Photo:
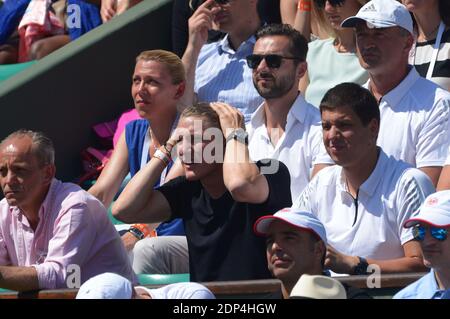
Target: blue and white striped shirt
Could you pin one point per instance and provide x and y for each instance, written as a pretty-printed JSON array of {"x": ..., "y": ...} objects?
[{"x": 222, "y": 75}]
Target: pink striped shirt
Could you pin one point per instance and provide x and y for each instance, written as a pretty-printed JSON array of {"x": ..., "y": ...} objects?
[{"x": 73, "y": 229}]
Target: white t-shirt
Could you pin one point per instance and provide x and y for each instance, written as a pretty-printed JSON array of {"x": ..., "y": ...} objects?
[
  {"x": 372, "y": 225},
  {"x": 415, "y": 124},
  {"x": 299, "y": 148}
]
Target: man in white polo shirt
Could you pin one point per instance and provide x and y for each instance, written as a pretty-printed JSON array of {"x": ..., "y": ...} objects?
[
  {"x": 284, "y": 127},
  {"x": 364, "y": 200},
  {"x": 414, "y": 111}
]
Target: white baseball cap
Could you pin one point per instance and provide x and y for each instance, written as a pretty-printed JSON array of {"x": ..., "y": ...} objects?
[
  {"x": 297, "y": 218},
  {"x": 435, "y": 211},
  {"x": 318, "y": 287},
  {"x": 106, "y": 286},
  {"x": 382, "y": 14}
]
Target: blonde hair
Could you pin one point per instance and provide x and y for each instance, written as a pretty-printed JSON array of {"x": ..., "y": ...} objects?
[{"x": 167, "y": 58}]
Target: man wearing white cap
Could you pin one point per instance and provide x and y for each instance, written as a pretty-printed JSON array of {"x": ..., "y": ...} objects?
[
  {"x": 431, "y": 226},
  {"x": 295, "y": 246},
  {"x": 414, "y": 111}
]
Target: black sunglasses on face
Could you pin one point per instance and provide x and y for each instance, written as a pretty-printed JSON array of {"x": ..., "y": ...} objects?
[
  {"x": 272, "y": 60},
  {"x": 222, "y": 1},
  {"x": 321, "y": 3}
]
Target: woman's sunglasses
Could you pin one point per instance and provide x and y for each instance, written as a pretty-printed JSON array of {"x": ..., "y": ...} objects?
[
  {"x": 218, "y": 1},
  {"x": 436, "y": 232},
  {"x": 272, "y": 60},
  {"x": 321, "y": 3}
]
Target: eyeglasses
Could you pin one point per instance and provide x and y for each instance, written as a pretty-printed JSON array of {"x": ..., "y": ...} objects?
[
  {"x": 335, "y": 3},
  {"x": 437, "y": 233},
  {"x": 272, "y": 60}
]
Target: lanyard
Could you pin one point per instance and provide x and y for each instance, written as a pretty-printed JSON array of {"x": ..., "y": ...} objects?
[{"x": 437, "y": 44}]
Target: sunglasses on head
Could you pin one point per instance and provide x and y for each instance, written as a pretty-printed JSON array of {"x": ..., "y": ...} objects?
[
  {"x": 436, "y": 232},
  {"x": 272, "y": 60},
  {"x": 335, "y": 3}
]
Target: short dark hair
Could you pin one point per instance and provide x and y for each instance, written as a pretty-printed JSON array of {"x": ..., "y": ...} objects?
[
  {"x": 352, "y": 95},
  {"x": 299, "y": 45}
]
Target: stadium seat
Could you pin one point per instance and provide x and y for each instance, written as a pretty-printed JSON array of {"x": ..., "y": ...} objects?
[{"x": 156, "y": 279}]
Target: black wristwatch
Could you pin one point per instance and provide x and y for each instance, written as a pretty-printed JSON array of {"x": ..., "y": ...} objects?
[
  {"x": 361, "y": 267},
  {"x": 239, "y": 135},
  {"x": 136, "y": 232}
]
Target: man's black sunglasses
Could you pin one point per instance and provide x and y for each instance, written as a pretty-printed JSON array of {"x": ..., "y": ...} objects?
[
  {"x": 272, "y": 60},
  {"x": 321, "y": 3}
]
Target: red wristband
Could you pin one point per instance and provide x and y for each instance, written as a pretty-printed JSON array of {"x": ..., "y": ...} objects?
[{"x": 304, "y": 5}]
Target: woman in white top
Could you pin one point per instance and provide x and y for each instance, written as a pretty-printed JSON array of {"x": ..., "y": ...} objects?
[
  {"x": 333, "y": 60},
  {"x": 431, "y": 54}
]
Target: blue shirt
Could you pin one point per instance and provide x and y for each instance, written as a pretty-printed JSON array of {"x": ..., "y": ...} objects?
[
  {"x": 424, "y": 288},
  {"x": 222, "y": 75},
  {"x": 135, "y": 135}
]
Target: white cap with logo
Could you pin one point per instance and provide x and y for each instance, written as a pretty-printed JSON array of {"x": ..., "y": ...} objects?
[
  {"x": 435, "y": 211},
  {"x": 382, "y": 14},
  {"x": 297, "y": 218}
]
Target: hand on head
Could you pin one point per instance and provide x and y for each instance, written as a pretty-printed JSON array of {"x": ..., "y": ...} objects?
[{"x": 230, "y": 117}]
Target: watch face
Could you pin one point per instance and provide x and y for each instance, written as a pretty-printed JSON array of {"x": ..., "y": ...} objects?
[{"x": 239, "y": 135}]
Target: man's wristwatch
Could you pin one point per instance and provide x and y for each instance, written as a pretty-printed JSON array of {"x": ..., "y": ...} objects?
[
  {"x": 136, "y": 232},
  {"x": 361, "y": 267},
  {"x": 239, "y": 135}
]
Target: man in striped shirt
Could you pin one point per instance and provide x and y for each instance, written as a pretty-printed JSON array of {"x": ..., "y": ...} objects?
[{"x": 218, "y": 71}]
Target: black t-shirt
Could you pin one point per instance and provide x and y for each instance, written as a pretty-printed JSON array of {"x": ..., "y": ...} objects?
[{"x": 221, "y": 242}]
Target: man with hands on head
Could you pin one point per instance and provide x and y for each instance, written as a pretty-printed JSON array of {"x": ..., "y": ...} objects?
[{"x": 219, "y": 200}]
